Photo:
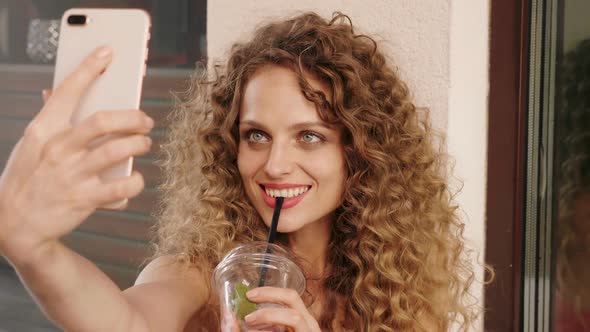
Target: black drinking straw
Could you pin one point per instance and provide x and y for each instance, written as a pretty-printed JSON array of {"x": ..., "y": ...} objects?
[{"x": 272, "y": 233}]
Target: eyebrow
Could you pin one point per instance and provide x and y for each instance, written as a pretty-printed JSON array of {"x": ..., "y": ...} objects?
[{"x": 296, "y": 126}]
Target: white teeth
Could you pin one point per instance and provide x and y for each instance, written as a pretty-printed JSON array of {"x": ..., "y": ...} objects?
[{"x": 287, "y": 193}]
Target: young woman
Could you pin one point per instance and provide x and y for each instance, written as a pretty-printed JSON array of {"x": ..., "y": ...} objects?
[{"x": 308, "y": 110}]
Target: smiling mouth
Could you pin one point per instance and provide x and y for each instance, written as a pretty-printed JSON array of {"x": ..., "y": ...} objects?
[{"x": 286, "y": 193}]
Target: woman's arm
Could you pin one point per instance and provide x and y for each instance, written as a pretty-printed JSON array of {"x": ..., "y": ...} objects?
[
  {"x": 51, "y": 184},
  {"x": 168, "y": 295},
  {"x": 77, "y": 296}
]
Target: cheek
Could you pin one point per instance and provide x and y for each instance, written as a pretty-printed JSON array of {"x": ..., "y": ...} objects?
[
  {"x": 248, "y": 162},
  {"x": 243, "y": 165},
  {"x": 329, "y": 168}
]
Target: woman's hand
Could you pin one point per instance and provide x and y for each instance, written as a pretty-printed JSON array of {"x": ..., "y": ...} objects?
[
  {"x": 294, "y": 315},
  {"x": 51, "y": 181}
]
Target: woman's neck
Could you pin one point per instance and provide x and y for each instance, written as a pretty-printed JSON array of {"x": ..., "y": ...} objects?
[{"x": 310, "y": 243}]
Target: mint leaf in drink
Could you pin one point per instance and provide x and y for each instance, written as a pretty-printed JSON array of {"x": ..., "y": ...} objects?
[{"x": 242, "y": 306}]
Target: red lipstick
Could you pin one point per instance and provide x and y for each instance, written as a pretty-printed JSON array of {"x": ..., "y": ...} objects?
[{"x": 288, "y": 202}]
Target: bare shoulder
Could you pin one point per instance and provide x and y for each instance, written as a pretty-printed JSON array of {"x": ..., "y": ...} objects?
[{"x": 168, "y": 294}]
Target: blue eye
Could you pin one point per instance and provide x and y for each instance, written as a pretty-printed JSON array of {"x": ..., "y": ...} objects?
[
  {"x": 311, "y": 138},
  {"x": 255, "y": 136}
]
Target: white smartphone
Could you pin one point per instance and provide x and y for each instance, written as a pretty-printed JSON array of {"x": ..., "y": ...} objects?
[{"x": 126, "y": 31}]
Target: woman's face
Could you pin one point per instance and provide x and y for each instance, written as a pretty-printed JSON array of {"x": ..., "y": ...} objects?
[{"x": 286, "y": 150}]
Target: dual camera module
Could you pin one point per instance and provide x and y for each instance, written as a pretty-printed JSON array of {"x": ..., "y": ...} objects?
[{"x": 77, "y": 19}]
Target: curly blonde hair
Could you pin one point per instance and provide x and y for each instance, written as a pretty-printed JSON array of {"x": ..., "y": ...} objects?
[{"x": 396, "y": 253}]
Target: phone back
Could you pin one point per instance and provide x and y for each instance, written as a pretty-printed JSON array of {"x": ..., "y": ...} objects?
[{"x": 126, "y": 31}]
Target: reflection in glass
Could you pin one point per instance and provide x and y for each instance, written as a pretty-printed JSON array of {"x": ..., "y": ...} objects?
[
  {"x": 572, "y": 241},
  {"x": 178, "y": 29}
]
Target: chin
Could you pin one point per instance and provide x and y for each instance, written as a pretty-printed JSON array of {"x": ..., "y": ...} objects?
[{"x": 287, "y": 226}]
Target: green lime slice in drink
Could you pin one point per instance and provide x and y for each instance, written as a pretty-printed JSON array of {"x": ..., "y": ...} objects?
[{"x": 242, "y": 306}]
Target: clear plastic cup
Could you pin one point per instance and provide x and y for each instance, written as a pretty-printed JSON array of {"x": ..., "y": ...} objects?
[{"x": 241, "y": 270}]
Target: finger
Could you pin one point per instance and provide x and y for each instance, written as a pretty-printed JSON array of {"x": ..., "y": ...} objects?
[
  {"x": 113, "y": 151},
  {"x": 46, "y": 95},
  {"x": 109, "y": 122},
  {"x": 29, "y": 151},
  {"x": 279, "y": 316},
  {"x": 285, "y": 296},
  {"x": 75, "y": 85},
  {"x": 56, "y": 114},
  {"x": 117, "y": 190}
]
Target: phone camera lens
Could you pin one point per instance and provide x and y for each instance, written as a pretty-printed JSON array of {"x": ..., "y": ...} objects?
[{"x": 77, "y": 19}]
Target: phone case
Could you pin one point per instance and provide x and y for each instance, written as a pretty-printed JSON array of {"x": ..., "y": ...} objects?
[{"x": 119, "y": 87}]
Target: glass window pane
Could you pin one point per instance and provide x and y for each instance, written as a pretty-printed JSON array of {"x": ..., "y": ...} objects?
[
  {"x": 178, "y": 28},
  {"x": 571, "y": 296}
]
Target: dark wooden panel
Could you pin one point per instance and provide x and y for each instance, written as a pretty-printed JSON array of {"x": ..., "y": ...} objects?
[
  {"x": 122, "y": 261},
  {"x": 122, "y": 258},
  {"x": 26, "y": 79},
  {"x": 5, "y": 150},
  {"x": 152, "y": 174},
  {"x": 20, "y": 106},
  {"x": 122, "y": 225},
  {"x": 161, "y": 87},
  {"x": 158, "y": 112},
  {"x": 26, "y": 106},
  {"x": 145, "y": 202},
  {"x": 158, "y": 84},
  {"x": 18, "y": 311},
  {"x": 506, "y": 127},
  {"x": 11, "y": 130},
  {"x": 103, "y": 249},
  {"x": 123, "y": 277}
]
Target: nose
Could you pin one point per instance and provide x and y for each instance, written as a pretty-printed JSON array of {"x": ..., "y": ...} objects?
[{"x": 279, "y": 162}]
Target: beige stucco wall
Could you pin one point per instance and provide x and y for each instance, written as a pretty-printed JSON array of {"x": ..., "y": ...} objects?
[
  {"x": 467, "y": 127},
  {"x": 440, "y": 48}
]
